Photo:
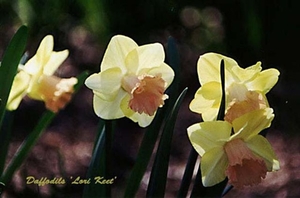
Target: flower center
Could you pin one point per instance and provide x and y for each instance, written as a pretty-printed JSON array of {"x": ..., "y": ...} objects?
[
  {"x": 55, "y": 92},
  {"x": 252, "y": 101},
  {"x": 245, "y": 168},
  {"x": 146, "y": 91}
]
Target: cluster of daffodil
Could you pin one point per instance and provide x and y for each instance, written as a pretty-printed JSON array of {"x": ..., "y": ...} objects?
[
  {"x": 132, "y": 83},
  {"x": 232, "y": 147},
  {"x": 36, "y": 80}
]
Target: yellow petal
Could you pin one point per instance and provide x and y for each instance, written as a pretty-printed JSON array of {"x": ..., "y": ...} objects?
[
  {"x": 18, "y": 90},
  {"x": 45, "y": 61},
  {"x": 116, "y": 52},
  {"x": 132, "y": 61},
  {"x": 213, "y": 166},
  {"x": 261, "y": 147},
  {"x": 150, "y": 55},
  {"x": 109, "y": 109},
  {"x": 207, "y": 135},
  {"x": 106, "y": 84},
  {"x": 125, "y": 106},
  {"x": 145, "y": 57},
  {"x": 208, "y": 67},
  {"x": 211, "y": 91},
  {"x": 264, "y": 81},
  {"x": 33, "y": 67},
  {"x": 204, "y": 107},
  {"x": 56, "y": 59},
  {"x": 45, "y": 49},
  {"x": 143, "y": 119},
  {"x": 207, "y": 101},
  {"x": 248, "y": 73},
  {"x": 250, "y": 124}
]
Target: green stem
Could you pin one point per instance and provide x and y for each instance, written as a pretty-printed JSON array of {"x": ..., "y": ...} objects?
[
  {"x": 108, "y": 147},
  {"x": 198, "y": 190},
  {"x": 26, "y": 146},
  {"x": 9, "y": 65},
  {"x": 6, "y": 135},
  {"x": 188, "y": 174}
]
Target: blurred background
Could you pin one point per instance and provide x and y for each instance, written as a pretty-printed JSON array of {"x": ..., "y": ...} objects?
[{"x": 248, "y": 31}]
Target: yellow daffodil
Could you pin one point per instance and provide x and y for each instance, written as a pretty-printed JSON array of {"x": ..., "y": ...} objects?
[
  {"x": 36, "y": 79},
  {"x": 244, "y": 157},
  {"x": 131, "y": 82},
  {"x": 245, "y": 88}
]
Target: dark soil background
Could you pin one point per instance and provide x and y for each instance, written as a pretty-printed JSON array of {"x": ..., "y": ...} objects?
[{"x": 248, "y": 31}]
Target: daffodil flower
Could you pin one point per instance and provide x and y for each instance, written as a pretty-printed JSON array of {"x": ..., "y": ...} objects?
[
  {"x": 131, "y": 82},
  {"x": 245, "y": 88},
  {"x": 244, "y": 157},
  {"x": 36, "y": 79}
]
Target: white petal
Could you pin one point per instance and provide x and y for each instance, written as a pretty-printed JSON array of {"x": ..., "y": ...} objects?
[
  {"x": 207, "y": 135},
  {"x": 208, "y": 67},
  {"x": 116, "y": 52},
  {"x": 105, "y": 84},
  {"x": 213, "y": 166},
  {"x": 45, "y": 49},
  {"x": 18, "y": 90},
  {"x": 109, "y": 109},
  {"x": 56, "y": 59},
  {"x": 151, "y": 55},
  {"x": 251, "y": 124}
]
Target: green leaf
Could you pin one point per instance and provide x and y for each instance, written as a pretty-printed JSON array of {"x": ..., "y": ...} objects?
[
  {"x": 174, "y": 62},
  {"x": 222, "y": 105},
  {"x": 9, "y": 66},
  {"x": 100, "y": 165},
  {"x": 144, "y": 154},
  {"x": 5, "y": 137},
  {"x": 198, "y": 189},
  {"x": 97, "y": 165},
  {"x": 227, "y": 189},
  {"x": 26, "y": 147},
  {"x": 8, "y": 69},
  {"x": 81, "y": 78},
  {"x": 159, "y": 172}
]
